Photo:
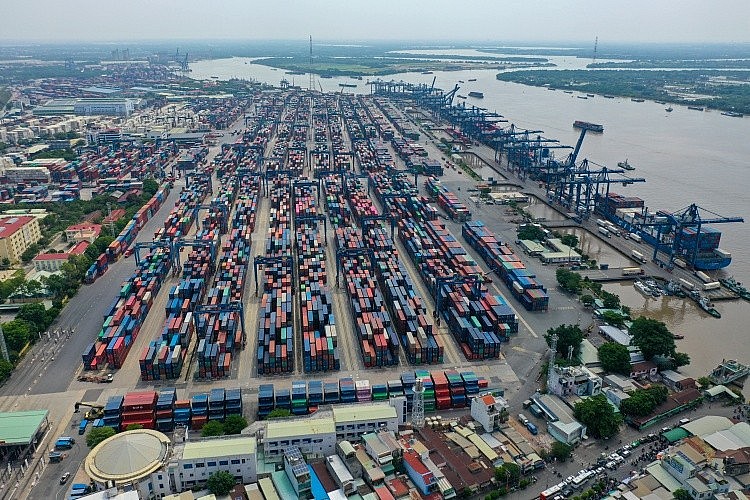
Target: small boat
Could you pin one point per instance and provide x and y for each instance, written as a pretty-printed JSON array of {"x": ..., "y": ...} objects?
[
  {"x": 568, "y": 91},
  {"x": 550, "y": 88},
  {"x": 733, "y": 114},
  {"x": 669, "y": 109},
  {"x": 643, "y": 288},
  {"x": 625, "y": 165},
  {"x": 426, "y": 72},
  {"x": 736, "y": 287},
  {"x": 589, "y": 95},
  {"x": 460, "y": 81},
  {"x": 607, "y": 96},
  {"x": 477, "y": 95},
  {"x": 348, "y": 85},
  {"x": 696, "y": 108},
  {"x": 215, "y": 77},
  {"x": 637, "y": 100},
  {"x": 472, "y": 79},
  {"x": 677, "y": 336},
  {"x": 660, "y": 102},
  {"x": 706, "y": 305},
  {"x": 582, "y": 97},
  {"x": 461, "y": 96}
]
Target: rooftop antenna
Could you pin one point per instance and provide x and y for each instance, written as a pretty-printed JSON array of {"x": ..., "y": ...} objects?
[{"x": 417, "y": 411}]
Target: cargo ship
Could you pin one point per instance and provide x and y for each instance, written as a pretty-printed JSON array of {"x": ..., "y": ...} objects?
[
  {"x": 591, "y": 127},
  {"x": 478, "y": 95},
  {"x": 698, "y": 248}
]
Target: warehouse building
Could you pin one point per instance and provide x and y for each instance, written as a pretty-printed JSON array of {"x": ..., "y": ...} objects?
[
  {"x": 560, "y": 422},
  {"x": 16, "y": 235}
]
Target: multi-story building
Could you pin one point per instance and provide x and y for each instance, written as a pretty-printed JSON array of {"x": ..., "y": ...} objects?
[
  {"x": 574, "y": 380},
  {"x": 83, "y": 232},
  {"x": 315, "y": 437},
  {"x": 489, "y": 410},
  {"x": 16, "y": 235},
  {"x": 354, "y": 420}
]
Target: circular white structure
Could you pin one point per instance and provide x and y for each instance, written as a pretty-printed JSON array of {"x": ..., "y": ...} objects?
[{"x": 128, "y": 457}]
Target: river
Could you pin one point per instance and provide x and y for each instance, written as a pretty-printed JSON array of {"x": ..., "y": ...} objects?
[{"x": 686, "y": 157}]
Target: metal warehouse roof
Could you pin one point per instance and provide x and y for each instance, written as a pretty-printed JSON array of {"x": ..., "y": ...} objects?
[
  {"x": 19, "y": 427},
  {"x": 299, "y": 427},
  {"x": 221, "y": 447},
  {"x": 359, "y": 412}
]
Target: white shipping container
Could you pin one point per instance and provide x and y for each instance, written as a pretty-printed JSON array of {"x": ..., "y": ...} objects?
[
  {"x": 635, "y": 237},
  {"x": 714, "y": 285},
  {"x": 705, "y": 278},
  {"x": 680, "y": 263},
  {"x": 687, "y": 284},
  {"x": 604, "y": 232}
]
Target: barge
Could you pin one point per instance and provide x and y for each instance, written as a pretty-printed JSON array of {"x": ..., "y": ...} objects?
[{"x": 591, "y": 127}]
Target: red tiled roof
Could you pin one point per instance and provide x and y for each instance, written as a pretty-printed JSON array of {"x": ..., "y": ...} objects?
[
  {"x": 85, "y": 227},
  {"x": 398, "y": 488},
  {"x": 10, "y": 225},
  {"x": 79, "y": 248}
]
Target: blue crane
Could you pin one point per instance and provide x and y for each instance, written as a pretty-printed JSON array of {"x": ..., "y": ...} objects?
[
  {"x": 448, "y": 281},
  {"x": 314, "y": 219},
  {"x": 370, "y": 220},
  {"x": 353, "y": 253},
  {"x": 151, "y": 245},
  {"x": 181, "y": 243}
]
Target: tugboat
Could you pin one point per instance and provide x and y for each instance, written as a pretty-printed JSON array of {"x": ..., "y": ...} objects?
[
  {"x": 625, "y": 165},
  {"x": 706, "y": 305},
  {"x": 677, "y": 336},
  {"x": 669, "y": 109},
  {"x": 736, "y": 287}
]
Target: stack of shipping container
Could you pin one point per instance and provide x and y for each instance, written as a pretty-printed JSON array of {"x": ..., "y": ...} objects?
[{"x": 506, "y": 264}]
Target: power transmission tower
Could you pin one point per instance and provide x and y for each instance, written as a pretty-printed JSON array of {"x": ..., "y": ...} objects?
[
  {"x": 417, "y": 410},
  {"x": 312, "y": 78}
]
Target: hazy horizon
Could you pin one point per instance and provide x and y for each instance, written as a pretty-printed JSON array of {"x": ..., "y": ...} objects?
[{"x": 540, "y": 21}]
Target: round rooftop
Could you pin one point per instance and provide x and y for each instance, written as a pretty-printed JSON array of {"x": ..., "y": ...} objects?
[{"x": 127, "y": 457}]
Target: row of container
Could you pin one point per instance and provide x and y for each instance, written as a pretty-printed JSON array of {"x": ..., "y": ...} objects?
[
  {"x": 442, "y": 390},
  {"x": 447, "y": 200},
  {"x": 506, "y": 264},
  {"x": 163, "y": 357},
  {"x": 405, "y": 306},
  {"x": 317, "y": 321},
  {"x": 163, "y": 411}
]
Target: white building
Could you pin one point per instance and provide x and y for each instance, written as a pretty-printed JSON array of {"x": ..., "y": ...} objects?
[
  {"x": 560, "y": 422},
  {"x": 354, "y": 420},
  {"x": 574, "y": 380},
  {"x": 315, "y": 437},
  {"x": 489, "y": 410}
]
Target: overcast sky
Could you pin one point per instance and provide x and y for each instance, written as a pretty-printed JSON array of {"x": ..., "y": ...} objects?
[{"x": 497, "y": 20}]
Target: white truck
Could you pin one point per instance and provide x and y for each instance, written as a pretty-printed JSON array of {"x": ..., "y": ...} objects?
[{"x": 638, "y": 256}]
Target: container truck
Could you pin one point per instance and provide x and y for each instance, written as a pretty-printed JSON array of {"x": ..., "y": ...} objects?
[
  {"x": 686, "y": 284},
  {"x": 522, "y": 418},
  {"x": 631, "y": 271},
  {"x": 635, "y": 237},
  {"x": 604, "y": 232},
  {"x": 638, "y": 256}
]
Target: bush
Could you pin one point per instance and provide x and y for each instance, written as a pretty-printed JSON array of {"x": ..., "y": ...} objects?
[
  {"x": 220, "y": 483},
  {"x": 234, "y": 424},
  {"x": 98, "y": 434},
  {"x": 212, "y": 428}
]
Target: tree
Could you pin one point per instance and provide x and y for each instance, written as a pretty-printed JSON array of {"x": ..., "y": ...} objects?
[
  {"x": 98, "y": 434},
  {"x": 279, "y": 413},
  {"x": 234, "y": 424},
  {"x": 530, "y": 232},
  {"x": 652, "y": 337},
  {"x": 508, "y": 474},
  {"x": 220, "y": 483},
  {"x": 613, "y": 318},
  {"x": 30, "y": 253},
  {"x": 561, "y": 451},
  {"x": 212, "y": 428},
  {"x": 681, "y": 494},
  {"x": 643, "y": 401},
  {"x": 568, "y": 280},
  {"x": 133, "y": 427},
  {"x": 17, "y": 334},
  {"x": 6, "y": 369},
  {"x": 614, "y": 358},
  {"x": 567, "y": 336},
  {"x": 569, "y": 239},
  {"x": 680, "y": 359},
  {"x": 610, "y": 300},
  {"x": 704, "y": 382},
  {"x": 598, "y": 415},
  {"x": 587, "y": 300},
  {"x": 35, "y": 314}
]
